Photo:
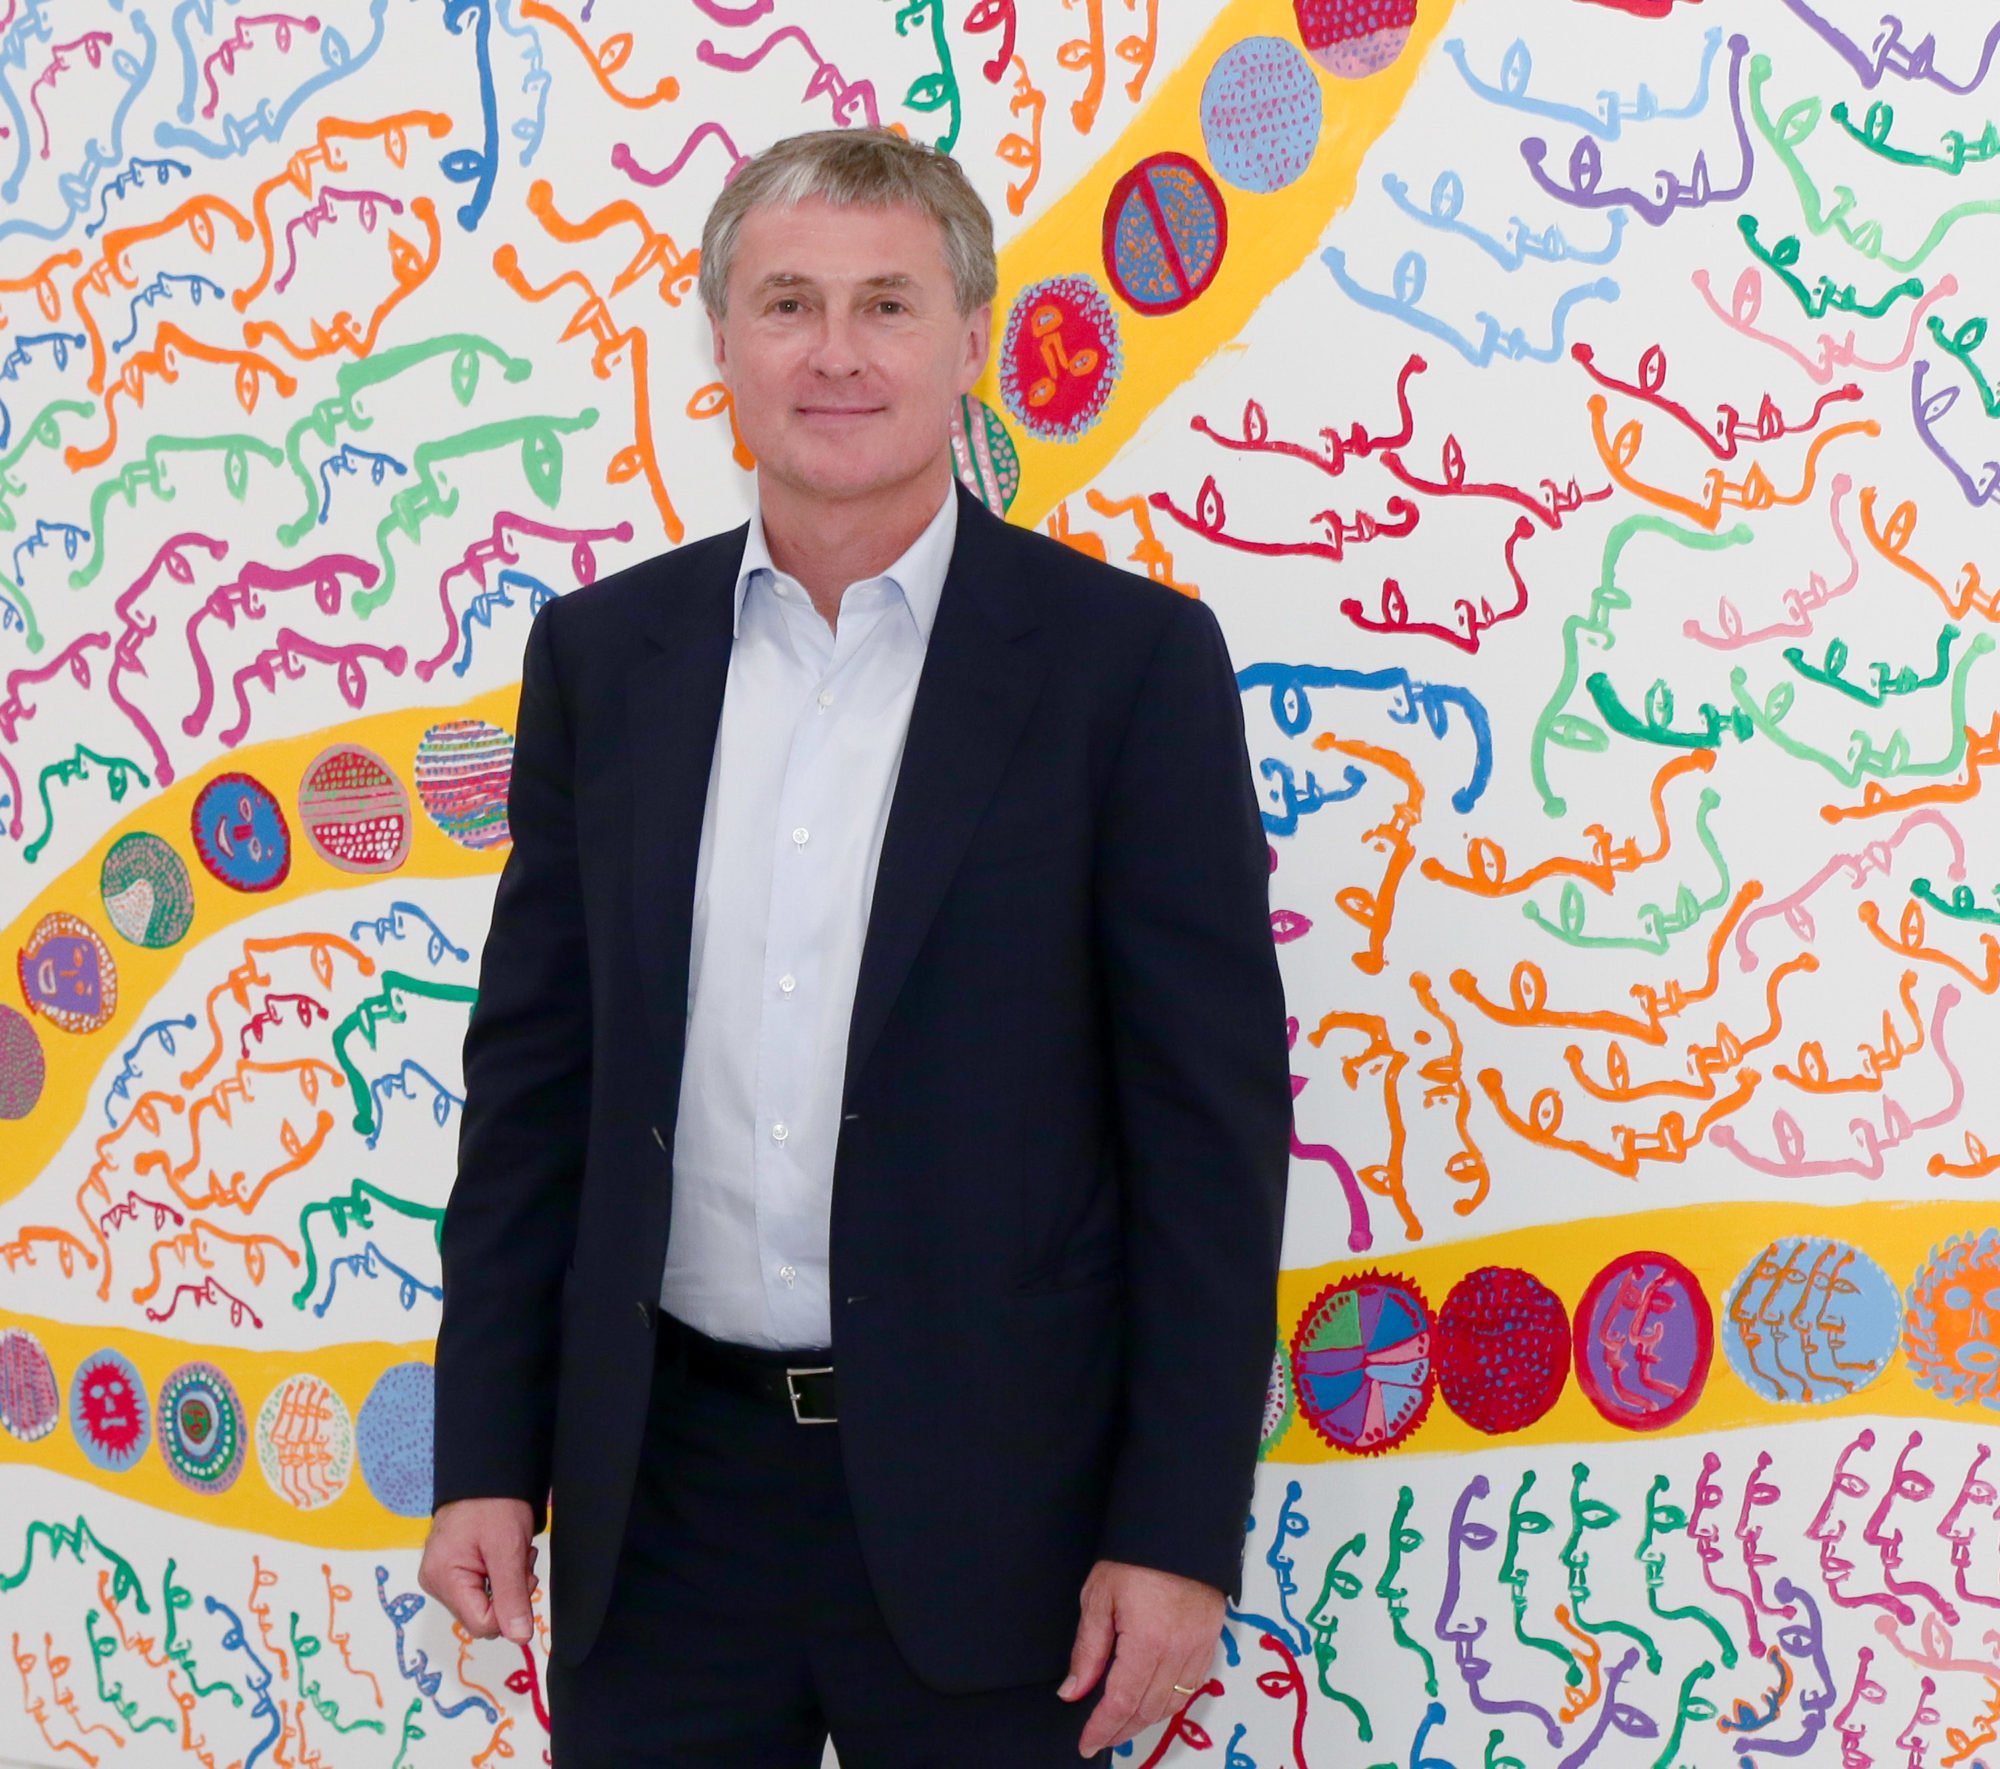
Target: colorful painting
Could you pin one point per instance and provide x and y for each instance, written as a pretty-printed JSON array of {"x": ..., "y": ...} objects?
[{"x": 1582, "y": 419}]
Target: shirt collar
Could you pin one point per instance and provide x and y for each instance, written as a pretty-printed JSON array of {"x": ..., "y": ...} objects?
[{"x": 918, "y": 572}]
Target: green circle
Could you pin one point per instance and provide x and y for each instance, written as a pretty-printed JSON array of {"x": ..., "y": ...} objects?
[{"x": 146, "y": 890}]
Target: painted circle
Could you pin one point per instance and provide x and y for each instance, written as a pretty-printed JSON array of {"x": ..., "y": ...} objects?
[
  {"x": 1810, "y": 1319},
  {"x": 67, "y": 973},
  {"x": 202, "y": 1429},
  {"x": 1502, "y": 1349},
  {"x": 1278, "y": 1409},
  {"x": 1951, "y": 1333},
  {"x": 30, "y": 1395},
  {"x": 1165, "y": 229},
  {"x": 1260, "y": 114},
  {"x": 1644, "y": 1337},
  {"x": 305, "y": 1442},
  {"x": 147, "y": 892},
  {"x": 1361, "y": 1362},
  {"x": 983, "y": 455},
  {"x": 108, "y": 1410},
  {"x": 23, "y": 1067},
  {"x": 240, "y": 833},
  {"x": 463, "y": 767},
  {"x": 393, "y": 1430},
  {"x": 1059, "y": 356},
  {"x": 354, "y": 810},
  {"x": 1354, "y": 38}
]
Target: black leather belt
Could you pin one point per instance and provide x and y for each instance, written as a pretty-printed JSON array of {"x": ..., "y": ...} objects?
[{"x": 798, "y": 1381}]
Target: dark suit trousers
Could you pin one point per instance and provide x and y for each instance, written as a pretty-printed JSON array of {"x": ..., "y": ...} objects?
[{"x": 743, "y": 1628}]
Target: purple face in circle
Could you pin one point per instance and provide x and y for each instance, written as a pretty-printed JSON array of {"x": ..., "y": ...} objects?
[
  {"x": 240, "y": 833},
  {"x": 1645, "y": 1335},
  {"x": 67, "y": 973}
]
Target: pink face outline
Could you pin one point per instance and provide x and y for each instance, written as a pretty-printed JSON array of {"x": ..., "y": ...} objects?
[
  {"x": 1974, "y": 1491},
  {"x": 1905, "y": 1483},
  {"x": 1758, "y": 1491},
  {"x": 1911, "y": 1485},
  {"x": 1825, "y": 1528},
  {"x": 1852, "y": 1756},
  {"x": 1924, "y": 1714},
  {"x": 1709, "y": 1550}
]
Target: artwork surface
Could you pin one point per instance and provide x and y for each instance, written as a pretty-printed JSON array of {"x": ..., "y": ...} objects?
[{"x": 1582, "y": 419}]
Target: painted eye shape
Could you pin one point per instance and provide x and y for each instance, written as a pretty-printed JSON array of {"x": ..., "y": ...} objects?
[
  {"x": 1911, "y": 1484},
  {"x": 1477, "y": 1536},
  {"x": 1851, "y": 1484}
]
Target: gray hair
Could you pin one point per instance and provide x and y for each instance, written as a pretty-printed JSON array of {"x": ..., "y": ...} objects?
[{"x": 873, "y": 167}]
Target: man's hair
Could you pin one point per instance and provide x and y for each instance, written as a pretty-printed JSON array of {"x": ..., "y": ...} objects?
[{"x": 872, "y": 167}]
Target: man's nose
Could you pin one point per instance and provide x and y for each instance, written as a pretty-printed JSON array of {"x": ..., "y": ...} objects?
[{"x": 836, "y": 350}]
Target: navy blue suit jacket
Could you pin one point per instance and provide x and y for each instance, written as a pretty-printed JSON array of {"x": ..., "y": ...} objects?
[{"x": 1059, "y": 1188}]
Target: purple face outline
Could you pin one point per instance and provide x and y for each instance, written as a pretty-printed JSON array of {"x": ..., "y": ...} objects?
[
  {"x": 240, "y": 833},
  {"x": 1481, "y": 1538}
]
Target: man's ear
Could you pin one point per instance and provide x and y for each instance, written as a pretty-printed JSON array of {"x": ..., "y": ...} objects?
[
  {"x": 715, "y": 341},
  {"x": 979, "y": 344}
]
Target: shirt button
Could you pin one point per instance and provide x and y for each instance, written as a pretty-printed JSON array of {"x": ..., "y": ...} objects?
[
  {"x": 788, "y": 1272},
  {"x": 826, "y": 697},
  {"x": 779, "y": 1132},
  {"x": 799, "y": 837},
  {"x": 788, "y": 983}
]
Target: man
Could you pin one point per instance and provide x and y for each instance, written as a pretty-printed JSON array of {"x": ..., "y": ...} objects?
[{"x": 877, "y": 1102}]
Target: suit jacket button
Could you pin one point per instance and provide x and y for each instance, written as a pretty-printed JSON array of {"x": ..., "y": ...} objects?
[{"x": 643, "y": 1315}]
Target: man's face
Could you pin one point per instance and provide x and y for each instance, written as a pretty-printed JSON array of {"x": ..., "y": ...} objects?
[{"x": 843, "y": 349}]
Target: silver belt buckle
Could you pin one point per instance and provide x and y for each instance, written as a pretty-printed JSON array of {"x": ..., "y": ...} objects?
[{"x": 792, "y": 1389}]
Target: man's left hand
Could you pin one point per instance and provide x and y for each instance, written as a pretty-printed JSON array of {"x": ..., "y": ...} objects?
[{"x": 1165, "y": 1628}]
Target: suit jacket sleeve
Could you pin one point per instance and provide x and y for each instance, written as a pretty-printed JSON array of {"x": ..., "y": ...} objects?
[
  {"x": 1200, "y": 1066},
  {"x": 510, "y": 1222}
]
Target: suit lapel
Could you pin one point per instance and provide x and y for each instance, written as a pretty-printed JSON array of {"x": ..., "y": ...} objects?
[
  {"x": 672, "y": 714},
  {"x": 972, "y": 702}
]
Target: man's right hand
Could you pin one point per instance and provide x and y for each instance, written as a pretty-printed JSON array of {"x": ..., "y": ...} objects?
[{"x": 475, "y": 1544}]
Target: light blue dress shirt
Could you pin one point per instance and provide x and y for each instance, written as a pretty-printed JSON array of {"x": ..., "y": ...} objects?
[{"x": 806, "y": 757}]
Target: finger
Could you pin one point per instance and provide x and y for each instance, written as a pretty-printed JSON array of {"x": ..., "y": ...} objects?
[
  {"x": 508, "y": 1574},
  {"x": 1088, "y": 1654},
  {"x": 462, "y": 1590},
  {"x": 1116, "y": 1716}
]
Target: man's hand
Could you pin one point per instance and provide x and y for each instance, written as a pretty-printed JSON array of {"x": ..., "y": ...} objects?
[
  {"x": 481, "y": 1544},
  {"x": 1165, "y": 1627}
]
